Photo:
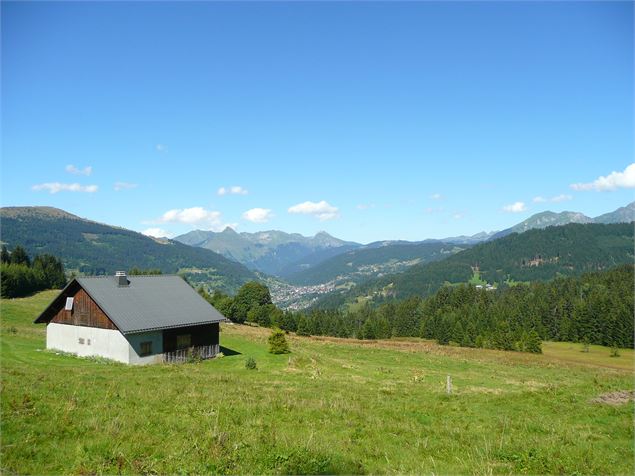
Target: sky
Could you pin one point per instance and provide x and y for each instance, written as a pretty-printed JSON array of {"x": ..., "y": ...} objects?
[{"x": 370, "y": 121}]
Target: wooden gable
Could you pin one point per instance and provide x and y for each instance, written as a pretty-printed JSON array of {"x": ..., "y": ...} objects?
[{"x": 85, "y": 312}]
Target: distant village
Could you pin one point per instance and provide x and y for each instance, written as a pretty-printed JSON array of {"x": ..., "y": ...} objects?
[{"x": 294, "y": 298}]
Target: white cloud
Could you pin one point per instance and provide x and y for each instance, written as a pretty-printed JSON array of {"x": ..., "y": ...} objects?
[
  {"x": 436, "y": 196},
  {"x": 55, "y": 187},
  {"x": 515, "y": 207},
  {"x": 71, "y": 169},
  {"x": 612, "y": 181},
  {"x": 258, "y": 215},
  {"x": 561, "y": 198},
  {"x": 161, "y": 148},
  {"x": 458, "y": 216},
  {"x": 157, "y": 233},
  {"x": 194, "y": 215},
  {"x": 235, "y": 190},
  {"x": 557, "y": 199},
  {"x": 321, "y": 210},
  {"x": 365, "y": 206},
  {"x": 124, "y": 186}
]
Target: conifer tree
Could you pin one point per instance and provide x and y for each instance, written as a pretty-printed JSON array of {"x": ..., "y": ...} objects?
[
  {"x": 303, "y": 326},
  {"x": 277, "y": 342},
  {"x": 533, "y": 343},
  {"x": 19, "y": 256},
  {"x": 5, "y": 257}
]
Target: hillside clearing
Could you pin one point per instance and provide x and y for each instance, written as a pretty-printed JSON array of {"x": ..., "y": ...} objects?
[{"x": 331, "y": 406}]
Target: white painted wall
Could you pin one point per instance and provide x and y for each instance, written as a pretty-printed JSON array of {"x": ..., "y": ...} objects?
[
  {"x": 103, "y": 342},
  {"x": 107, "y": 343}
]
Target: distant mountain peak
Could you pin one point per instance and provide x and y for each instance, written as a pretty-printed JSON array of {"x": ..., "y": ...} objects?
[
  {"x": 621, "y": 215},
  {"x": 269, "y": 251},
  {"x": 548, "y": 218}
]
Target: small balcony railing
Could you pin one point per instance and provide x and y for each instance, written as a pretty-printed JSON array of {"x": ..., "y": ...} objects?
[{"x": 191, "y": 354}]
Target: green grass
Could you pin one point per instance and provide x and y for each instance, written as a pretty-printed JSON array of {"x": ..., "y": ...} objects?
[{"x": 331, "y": 406}]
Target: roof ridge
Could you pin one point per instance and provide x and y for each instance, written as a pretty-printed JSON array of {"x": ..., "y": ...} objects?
[{"x": 131, "y": 276}]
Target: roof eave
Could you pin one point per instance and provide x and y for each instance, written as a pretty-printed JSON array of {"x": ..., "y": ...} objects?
[{"x": 161, "y": 328}]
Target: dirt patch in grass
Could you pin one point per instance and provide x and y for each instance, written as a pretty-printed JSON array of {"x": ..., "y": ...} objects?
[{"x": 615, "y": 398}]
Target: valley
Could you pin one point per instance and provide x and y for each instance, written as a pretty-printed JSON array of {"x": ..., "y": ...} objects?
[{"x": 322, "y": 270}]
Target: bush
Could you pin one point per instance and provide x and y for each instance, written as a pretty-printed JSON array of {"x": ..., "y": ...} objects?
[
  {"x": 533, "y": 343},
  {"x": 250, "y": 363},
  {"x": 615, "y": 351},
  {"x": 278, "y": 342}
]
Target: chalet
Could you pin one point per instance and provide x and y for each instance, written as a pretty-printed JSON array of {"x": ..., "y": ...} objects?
[{"x": 132, "y": 319}]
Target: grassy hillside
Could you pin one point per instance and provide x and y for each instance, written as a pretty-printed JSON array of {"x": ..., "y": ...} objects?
[
  {"x": 357, "y": 265},
  {"x": 331, "y": 406},
  {"x": 94, "y": 248},
  {"x": 535, "y": 255}
]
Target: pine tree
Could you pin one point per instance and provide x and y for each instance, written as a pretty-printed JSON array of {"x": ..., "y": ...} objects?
[
  {"x": 5, "y": 257},
  {"x": 458, "y": 334},
  {"x": 278, "y": 342},
  {"x": 533, "y": 343},
  {"x": 303, "y": 326},
  {"x": 443, "y": 332},
  {"x": 19, "y": 256}
]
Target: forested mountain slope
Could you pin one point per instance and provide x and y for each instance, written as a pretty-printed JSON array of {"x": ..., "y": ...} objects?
[
  {"x": 89, "y": 247},
  {"x": 363, "y": 263},
  {"x": 535, "y": 255}
]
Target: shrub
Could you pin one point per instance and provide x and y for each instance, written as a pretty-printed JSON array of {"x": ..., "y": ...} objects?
[
  {"x": 615, "y": 351},
  {"x": 250, "y": 363},
  {"x": 278, "y": 342},
  {"x": 533, "y": 343}
]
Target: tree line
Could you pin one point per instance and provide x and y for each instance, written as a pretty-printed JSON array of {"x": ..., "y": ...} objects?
[
  {"x": 22, "y": 276},
  {"x": 594, "y": 308}
]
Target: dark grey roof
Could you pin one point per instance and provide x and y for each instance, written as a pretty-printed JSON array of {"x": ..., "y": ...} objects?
[{"x": 149, "y": 302}]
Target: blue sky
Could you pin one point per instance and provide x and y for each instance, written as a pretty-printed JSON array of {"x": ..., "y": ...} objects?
[{"x": 368, "y": 120}]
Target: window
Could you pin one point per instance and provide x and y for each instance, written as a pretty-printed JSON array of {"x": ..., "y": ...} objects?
[
  {"x": 69, "y": 304},
  {"x": 81, "y": 340},
  {"x": 183, "y": 341},
  {"x": 146, "y": 348}
]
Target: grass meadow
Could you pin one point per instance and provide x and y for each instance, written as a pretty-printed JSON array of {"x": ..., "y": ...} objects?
[{"x": 331, "y": 406}]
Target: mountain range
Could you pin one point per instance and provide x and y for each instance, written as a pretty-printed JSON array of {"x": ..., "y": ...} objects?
[
  {"x": 535, "y": 255},
  {"x": 322, "y": 258},
  {"x": 272, "y": 252},
  {"x": 322, "y": 263},
  {"x": 89, "y": 247},
  {"x": 544, "y": 219}
]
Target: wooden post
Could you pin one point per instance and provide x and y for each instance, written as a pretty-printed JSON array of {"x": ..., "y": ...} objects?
[{"x": 448, "y": 385}]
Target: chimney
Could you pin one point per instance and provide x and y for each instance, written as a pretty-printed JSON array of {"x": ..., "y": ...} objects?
[{"x": 121, "y": 278}]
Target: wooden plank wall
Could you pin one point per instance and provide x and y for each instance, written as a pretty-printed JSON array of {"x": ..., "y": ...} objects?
[
  {"x": 85, "y": 313},
  {"x": 202, "y": 335}
]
